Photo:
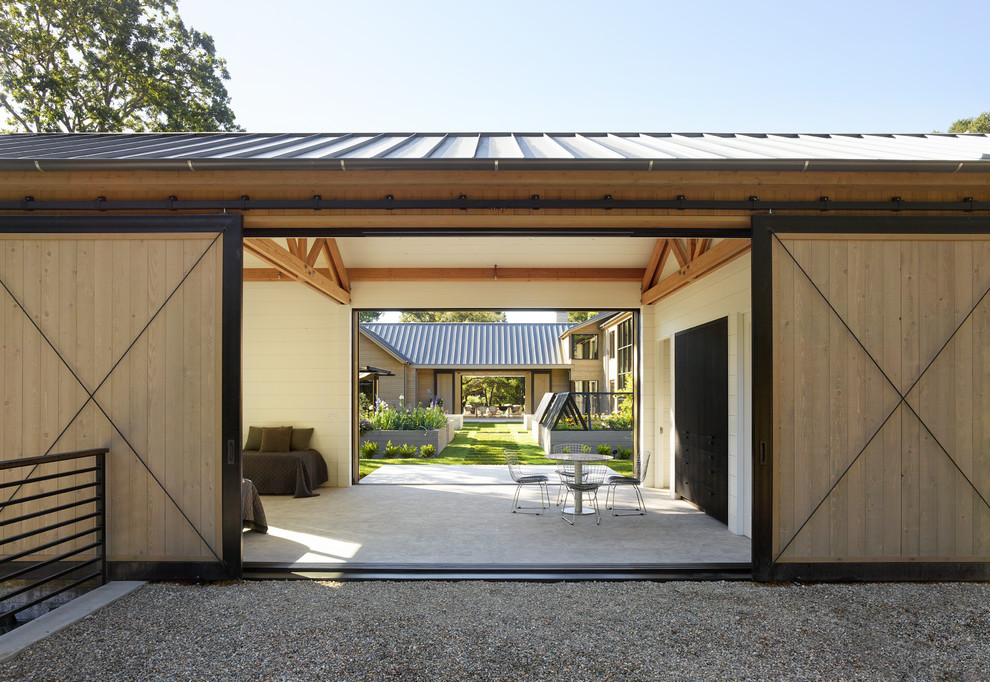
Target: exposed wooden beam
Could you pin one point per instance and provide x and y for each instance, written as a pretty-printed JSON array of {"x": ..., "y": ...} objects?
[
  {"x": 336, "y": 262},
  {"x": 314, "y": 252},
  {"x": 498, "y": 274},
  {"x": 679, "y": 253},
  {"x": 702, "y": 246},
  {"x": 724, "y": 252},
  {"x": 293, "y": 266},
  {"x": 464, "y": 274},
  {"x": 661, "y": 251}
]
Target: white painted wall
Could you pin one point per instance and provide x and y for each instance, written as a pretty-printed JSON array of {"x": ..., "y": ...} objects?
[
  {"x": 297, "y": 368},
  {"x": 724, "y": 293}
]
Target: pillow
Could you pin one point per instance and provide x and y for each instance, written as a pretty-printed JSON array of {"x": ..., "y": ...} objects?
[
  {"x": 276, "y": 439},
  {"x": 253, "y": 441},
  {"x": 300, "y": 439}
]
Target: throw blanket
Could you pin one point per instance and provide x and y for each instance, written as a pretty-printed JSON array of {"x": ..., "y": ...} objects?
[
  {"x": 252, "y": 512},
  {"x": 296, "y": 473}
]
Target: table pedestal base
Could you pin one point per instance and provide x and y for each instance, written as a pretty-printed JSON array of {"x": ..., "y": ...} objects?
[{"x": 583, "y": 512}]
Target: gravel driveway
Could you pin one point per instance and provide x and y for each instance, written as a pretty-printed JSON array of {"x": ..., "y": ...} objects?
[{"x": 300, "y": 630}]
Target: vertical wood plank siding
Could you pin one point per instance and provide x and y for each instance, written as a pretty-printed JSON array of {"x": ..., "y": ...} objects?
[
  {"x": 156, "y": 387},
  {"x": 861, "y": 474}
]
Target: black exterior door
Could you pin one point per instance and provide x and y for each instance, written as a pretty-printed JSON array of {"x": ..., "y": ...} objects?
[{"x": 701, "y": 417}]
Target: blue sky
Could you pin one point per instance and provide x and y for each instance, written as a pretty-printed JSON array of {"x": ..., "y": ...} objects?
[{"x": 708, "y": 66}]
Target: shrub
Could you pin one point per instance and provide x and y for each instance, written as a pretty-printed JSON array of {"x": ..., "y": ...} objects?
[
  {"x": 365, "y": 425},
  {"x": 623, "y": 453},
  {"x": 369, "y": 449},
  {"x": 391, "y": 451},
  {"x": 604, "y": 449},
  {"x": 406, "y": 450},
  {"x": 585, "y": 448},
  {"x": 427, "y": 451}
]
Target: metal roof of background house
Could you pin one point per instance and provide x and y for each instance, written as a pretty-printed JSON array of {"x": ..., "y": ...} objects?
[
  {"x": 645, "y": 151},
  {"x": 487, "y": 344}
]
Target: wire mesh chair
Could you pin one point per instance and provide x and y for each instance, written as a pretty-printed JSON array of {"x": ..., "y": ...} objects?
[
  {"x": 565, "y": 471},
  {"x": 634, "y": 481},
  {"x": 515, "y": 470},
  {"x": 592, "y": 478}
]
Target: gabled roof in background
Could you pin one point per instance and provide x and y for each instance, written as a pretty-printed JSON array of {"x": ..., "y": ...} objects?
[
  {"x": 629, "y": 151},
  {"x": 596, "y": 321},
  {"x": 471, "y": 344}
]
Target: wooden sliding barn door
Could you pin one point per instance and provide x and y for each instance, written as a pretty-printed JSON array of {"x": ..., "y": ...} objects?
[
  {"x": 872, "y": 396},
  {"x": 118, "y": 332}
]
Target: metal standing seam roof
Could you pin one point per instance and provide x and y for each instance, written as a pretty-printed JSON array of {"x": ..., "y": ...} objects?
[
  {"x": 479, "y": 344},
  {"x": 230, "y": 151}
]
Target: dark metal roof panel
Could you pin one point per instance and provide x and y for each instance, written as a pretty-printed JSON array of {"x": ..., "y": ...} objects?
[
  {"x": 496, "y": 344},
  {"x": 54, "y": 151}
]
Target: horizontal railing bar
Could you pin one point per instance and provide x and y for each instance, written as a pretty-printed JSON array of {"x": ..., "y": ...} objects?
[
  {"x": 44, "y": 459},
  {"x": 48, "y": 477},
  {"x": 45, "y": 512},
  {"x": 32, "y": 533},
  {"x": 80, "y": 581},
  {"x": 51, "y": 493},
  {"x": 33, "y": 567},
  {"x": 49, "y": 545},
  {"x": 54, "y": 576}
]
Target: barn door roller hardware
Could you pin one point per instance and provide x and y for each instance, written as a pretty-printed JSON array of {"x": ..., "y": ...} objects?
[{"x": 534, "y": 203}]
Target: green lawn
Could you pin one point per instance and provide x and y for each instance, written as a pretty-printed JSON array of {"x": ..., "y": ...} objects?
[{"x": 484, "y": 443}]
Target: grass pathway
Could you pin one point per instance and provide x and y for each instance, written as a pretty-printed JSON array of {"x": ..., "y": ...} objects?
[{"x": 484, "y": 443}]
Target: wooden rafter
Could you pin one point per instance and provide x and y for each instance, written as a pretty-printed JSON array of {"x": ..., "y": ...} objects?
[
  {"x": 314, "y": 252},
  {"x": 724, "y": 252},
  {"x": 661, "y": 252},
  {"x": 296, "y": 268},
  {"x": 332, "y": 253},
  {"x": 466, "y": 274},
  {"x": 679, "y": 253}
]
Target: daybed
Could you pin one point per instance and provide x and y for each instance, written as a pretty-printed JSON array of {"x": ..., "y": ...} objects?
[{"x": 280, "y": 462}]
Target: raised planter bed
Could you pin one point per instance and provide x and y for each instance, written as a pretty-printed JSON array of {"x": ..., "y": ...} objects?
[
  {"x": 438, "y": 438},
  {"x": 613, "y": 439}
]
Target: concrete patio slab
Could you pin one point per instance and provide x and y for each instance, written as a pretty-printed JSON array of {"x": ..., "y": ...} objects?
[{"x": 406, "y": 520}]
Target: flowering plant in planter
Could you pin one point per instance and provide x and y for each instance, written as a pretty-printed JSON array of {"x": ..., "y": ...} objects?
[{"x": 400, "y": 417}]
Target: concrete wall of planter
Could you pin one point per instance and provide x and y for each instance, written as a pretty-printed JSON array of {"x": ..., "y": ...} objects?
[
  {"x": 613, "y": 439},
  {"x": 438, "y": 438}
]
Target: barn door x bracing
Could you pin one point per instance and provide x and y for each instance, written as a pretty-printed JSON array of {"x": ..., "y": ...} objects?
[
  {"x": 872, "y": 398},
  {"x": 124, "y": 332}
]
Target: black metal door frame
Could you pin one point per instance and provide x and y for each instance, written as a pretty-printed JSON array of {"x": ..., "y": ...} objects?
[
  {"x": 764, "y": 229},
  {"x": 231, "y": 227}
]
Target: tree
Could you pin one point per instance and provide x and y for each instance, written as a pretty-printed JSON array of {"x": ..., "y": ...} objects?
[
  {"x": 495, "y": 390},
  {"x": 370, "y": 315},
  {"x": 451, "y": 316},
  {"x": 108, "y": 66},
  {"x": 980, "y": 124},
  {"x": 580, "y": 315}
]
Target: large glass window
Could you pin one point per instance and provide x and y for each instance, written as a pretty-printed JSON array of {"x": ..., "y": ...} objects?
[
  {"x": 624, "y": 353},
  {"x": 584, "y": 346},
  {"x": 585, "y": 386}
]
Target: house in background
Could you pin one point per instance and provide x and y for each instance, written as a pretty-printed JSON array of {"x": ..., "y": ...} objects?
[
  {"x": 417, "y": 361},
  {"x": 430, "y": 359}
]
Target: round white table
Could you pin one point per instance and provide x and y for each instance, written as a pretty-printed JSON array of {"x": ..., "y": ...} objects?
[{"x": 578, "y": 459}]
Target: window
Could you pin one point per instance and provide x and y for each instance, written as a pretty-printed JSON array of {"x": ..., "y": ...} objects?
[
  {"x": 611, "y": 344},
  {"x": 624, "y": 353},
  {"x": 585, "y": 386},
  {"x": 584, "y": 346}
]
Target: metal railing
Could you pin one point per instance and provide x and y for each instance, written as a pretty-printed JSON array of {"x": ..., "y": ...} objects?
[{"x": 27, "y": 564}]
